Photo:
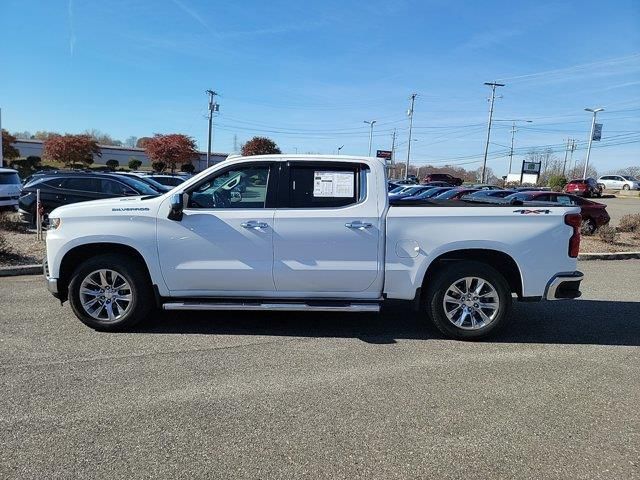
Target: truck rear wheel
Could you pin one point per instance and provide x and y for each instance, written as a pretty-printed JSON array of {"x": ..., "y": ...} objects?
[
  {"x": 110, "y": 292},
  {"x": 468, "y": 300}
]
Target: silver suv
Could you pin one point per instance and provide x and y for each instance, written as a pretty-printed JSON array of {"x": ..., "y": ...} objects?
[{"x": 619, "y": 182}]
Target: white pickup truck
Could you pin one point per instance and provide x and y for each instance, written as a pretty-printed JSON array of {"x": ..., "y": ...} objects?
[{"x": 308, "y": 233}]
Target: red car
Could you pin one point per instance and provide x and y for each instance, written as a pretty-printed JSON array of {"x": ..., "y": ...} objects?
[
  {"x": 584, "y": 187},
  {"x": 442, "y": 177},
  {"x": 594, "y": 214}
]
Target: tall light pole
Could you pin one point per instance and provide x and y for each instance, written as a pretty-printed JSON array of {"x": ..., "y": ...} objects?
[
  {"x": 213, "y": 107},
  {"x": 340, "y": 148},
  {"x": 493, "y": 86},
  {"x": 593, "y": 126},
  {"x": 410, "y": 113},
  {"x": 371, "y": 124}
]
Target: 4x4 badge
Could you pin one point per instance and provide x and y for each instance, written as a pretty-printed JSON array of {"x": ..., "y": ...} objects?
[{"x": 531, "y": 212}]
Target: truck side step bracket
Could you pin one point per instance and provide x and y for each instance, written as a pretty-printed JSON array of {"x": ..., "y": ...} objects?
[{"x": 274, "y": 306}]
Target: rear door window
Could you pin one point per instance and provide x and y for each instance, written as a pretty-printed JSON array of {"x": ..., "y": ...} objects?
[{"x": 324, "y": 186}]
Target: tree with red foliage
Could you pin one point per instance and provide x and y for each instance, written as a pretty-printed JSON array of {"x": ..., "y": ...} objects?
[
  {"x": 172, "y": 149},
  {"x": 71, "y": 149},
  {"x": 260, "y": 146},
  {"x": 8, "y": 150}
]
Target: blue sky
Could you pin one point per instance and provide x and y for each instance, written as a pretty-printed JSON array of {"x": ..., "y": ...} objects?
[{"x": 307, "y": 74}]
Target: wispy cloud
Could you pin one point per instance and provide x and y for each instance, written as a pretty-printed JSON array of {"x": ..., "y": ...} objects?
[
  {"x": 192, "y": 13},
  {"x": 489, "y": 38},
  {"x": 72, "y": 31},
  {"x": 608, "y": 67},
  {"x": 622, "y": 85},
  {"x": 273, "y": 30}
]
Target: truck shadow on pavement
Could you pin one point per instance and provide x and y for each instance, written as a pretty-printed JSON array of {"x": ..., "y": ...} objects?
[{"x": 574, "y": 322}]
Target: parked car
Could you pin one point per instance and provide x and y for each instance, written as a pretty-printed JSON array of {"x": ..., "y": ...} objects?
[
  {"x": 410, "y": 191},
  {"x": 491, "y": 194},
  {"x": 148, "y": 180},
  {"x": 619, "y": 182},
  {"x": 584, "y": 187},
  {"x": 455, "y": 194},
  {"x": 166, "y": 179},
  {"x": 409, "y": 181},
  {"x": 58, "y": 190},
  {"x": 438, "y": 184},
  {"x": 442, "y": 177},
  {"x": 392, "y": 186},
  {"x": 486, "y": 186},
  {"x": 426, "y": 194},
  {"x": 594, "y": 214},
  {"x": 337, "y": 246},
  {"x": 532, "y": 189},
  {"x": 9, "y": 189}
]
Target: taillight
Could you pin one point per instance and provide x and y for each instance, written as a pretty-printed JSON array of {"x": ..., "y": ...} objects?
[{"x": 574, "y": 220}]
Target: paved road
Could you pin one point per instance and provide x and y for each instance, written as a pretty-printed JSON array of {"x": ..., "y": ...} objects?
[
  {"x": 556, "y": 395},
  {"x": 617, "y": 207}
]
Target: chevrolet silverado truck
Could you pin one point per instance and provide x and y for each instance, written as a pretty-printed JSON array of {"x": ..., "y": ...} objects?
[{"x": 308, "y": 233}]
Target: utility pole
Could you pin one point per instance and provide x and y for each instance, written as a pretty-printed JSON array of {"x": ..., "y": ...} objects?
[
  {"x": 493, "y": 86},
  {"x": 213, "y": 107},
  {"x": 573, "y": 149},
  {"x": 593, "y": 126},
  {"x": 371, "y": 124},
  {"x": 410, "y": 113},
  {"x": 235, "y": 143},
  {"x": 393, "y": 146},
  {"x": 513, "y": 134},
  {"x": 566, "y": 153}
]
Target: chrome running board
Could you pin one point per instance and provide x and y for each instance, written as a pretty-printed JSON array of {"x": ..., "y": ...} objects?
[{"x": 273, "y": 306}]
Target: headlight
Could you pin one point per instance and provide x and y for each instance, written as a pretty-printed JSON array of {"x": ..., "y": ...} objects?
[{"x": 54, "y": 223}]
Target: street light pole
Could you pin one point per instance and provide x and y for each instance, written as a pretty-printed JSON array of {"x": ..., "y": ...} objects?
[
  {"x": 593, "y": 126},
  {"x": 410, "y": 113},
  {"x": 340, "y": 148},
  {"x": 493, "y": 86},
  {"x": 371, "y": 124}
]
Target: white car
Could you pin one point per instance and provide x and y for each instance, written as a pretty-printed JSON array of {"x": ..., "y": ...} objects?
[
  {"x": 619, "y": 182},
  {"x": 10, "y": 187},
  {"x": 309, "y": 233}
]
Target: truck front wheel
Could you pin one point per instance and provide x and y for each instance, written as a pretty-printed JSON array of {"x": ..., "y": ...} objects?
[
  {"x": 468, "y": 300},
  {"x": 110, "y": 292}
]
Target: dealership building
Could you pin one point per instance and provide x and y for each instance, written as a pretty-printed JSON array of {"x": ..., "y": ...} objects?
[{"x": 29, "y": 148}]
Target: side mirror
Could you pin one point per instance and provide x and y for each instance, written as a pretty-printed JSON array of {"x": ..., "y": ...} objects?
[{"x": 176, "y": 204}]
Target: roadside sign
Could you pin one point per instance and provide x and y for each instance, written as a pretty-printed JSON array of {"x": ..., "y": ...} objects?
[
  {"x": 597, "y": 132},
  {"x": 386, "y": 154},
  {"x": 531, "y": 168}
]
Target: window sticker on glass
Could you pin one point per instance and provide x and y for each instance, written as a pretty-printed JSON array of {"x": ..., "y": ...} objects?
[{"x": 333, "y": 184}]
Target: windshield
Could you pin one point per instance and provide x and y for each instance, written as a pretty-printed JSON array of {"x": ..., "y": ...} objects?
[
  {"x": 9, "y": 178},
  {"x": 142, "y": 187}
]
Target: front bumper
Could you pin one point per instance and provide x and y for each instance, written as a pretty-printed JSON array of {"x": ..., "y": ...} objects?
[
  {"x": 52, "y": 283},
  {"x": 564, "y": 286}
]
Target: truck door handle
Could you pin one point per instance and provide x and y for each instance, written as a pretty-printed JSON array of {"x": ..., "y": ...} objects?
[
  {"x": 358, "y": 225},
  {"x": 254, "y": 224}
]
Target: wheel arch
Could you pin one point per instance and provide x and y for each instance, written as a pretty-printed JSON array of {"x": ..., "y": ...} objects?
[
  {"x": 80, "y": 253},
  {"x": 501, "y": 261}
]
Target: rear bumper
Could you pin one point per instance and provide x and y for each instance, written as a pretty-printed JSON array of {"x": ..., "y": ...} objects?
[{"x": 564, "y": 286}]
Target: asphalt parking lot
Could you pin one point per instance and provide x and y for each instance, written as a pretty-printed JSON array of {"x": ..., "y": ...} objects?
[
  {"x": 617, "y": 207},
  {"x": 247, "y": 395}
]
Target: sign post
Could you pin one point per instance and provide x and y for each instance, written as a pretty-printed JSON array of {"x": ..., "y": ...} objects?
[{"x": 530, "y": 168}]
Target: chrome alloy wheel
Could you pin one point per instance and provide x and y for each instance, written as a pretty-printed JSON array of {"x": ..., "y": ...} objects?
[
  {"x": 471, "y": 303},
  {"x": 105, "y": 295}
]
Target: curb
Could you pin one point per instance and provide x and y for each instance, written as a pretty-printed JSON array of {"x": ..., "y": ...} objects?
[
  {"x": 609, "y": 256},
  {"x": 21, "y": 270}
]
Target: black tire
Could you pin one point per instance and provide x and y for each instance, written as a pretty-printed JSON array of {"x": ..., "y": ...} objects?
[
  {"x": 588, "y": 226},
  {"x": 136, "y": 276},
  {"x": 626, "y": 187},
  {"x": 448, "y": 275}
]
